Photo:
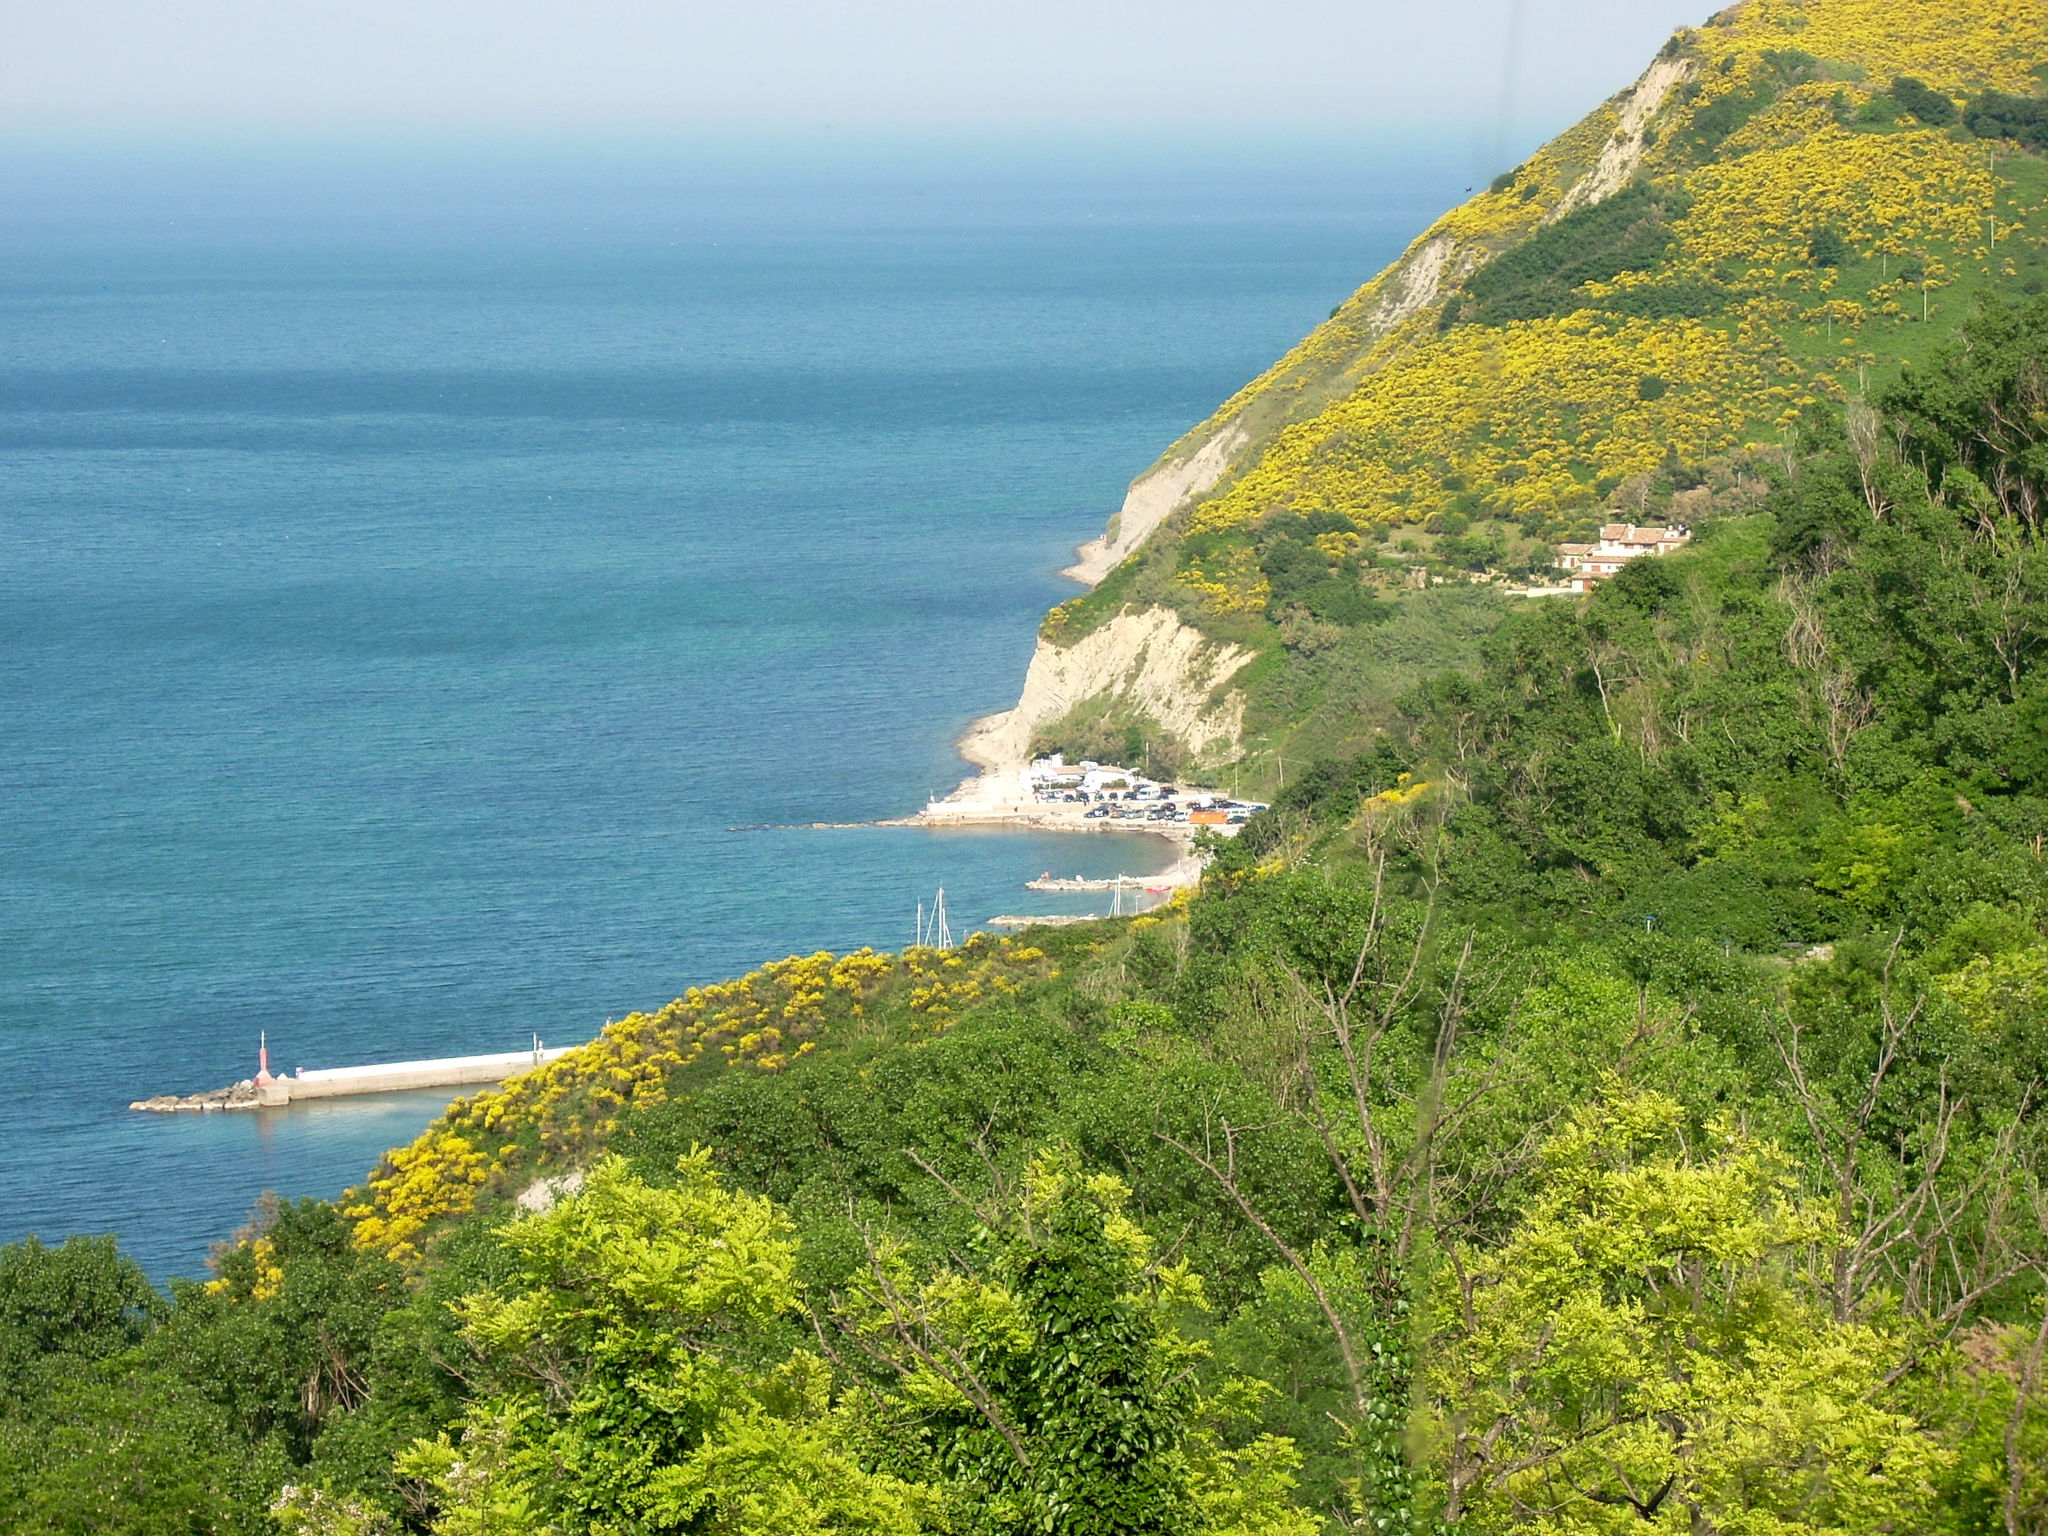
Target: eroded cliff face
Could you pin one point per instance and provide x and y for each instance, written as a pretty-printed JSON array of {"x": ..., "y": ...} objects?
[
  {"x": 1155, "y": 496},
  {"x": 1148, "y": 661},
  {"x": 1621, "y": 154}
]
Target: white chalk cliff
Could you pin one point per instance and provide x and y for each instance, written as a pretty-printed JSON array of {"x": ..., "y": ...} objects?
[
  {"x": 1148, "y": 660},
  {"x": 1622, "y": 153},
  {"x": 1153, "y": 497}
]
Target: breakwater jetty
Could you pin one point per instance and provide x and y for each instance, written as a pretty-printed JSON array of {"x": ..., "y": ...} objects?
[{"x": 264, "y": 1091}]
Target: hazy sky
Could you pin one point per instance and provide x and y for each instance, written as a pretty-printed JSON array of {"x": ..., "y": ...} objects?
[{"x": 552, "y": 66}]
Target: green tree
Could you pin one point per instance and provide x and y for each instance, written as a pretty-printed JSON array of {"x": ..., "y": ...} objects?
[
  {"x": 133, "y": 1453},
  {"x": 1055, "y": 1390},
  {"x": 1647, "y": 1352},
  {"x": 1980, "y": 407},
  {"x": 81, "y": 1300},
  {"x": 643, "y": 1377},
  {"x": 1827, "y": 248},
  {"x": 1929, "y": 105}
]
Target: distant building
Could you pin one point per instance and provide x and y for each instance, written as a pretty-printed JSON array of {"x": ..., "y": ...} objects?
[
  {"x": 1050, "y": 776},
  {"x": 1591, "y": 564}
]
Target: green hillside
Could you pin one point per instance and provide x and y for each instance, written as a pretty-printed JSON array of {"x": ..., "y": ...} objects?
[
  {"x": 1794, "y": 204},
  {"x": 1603, "y": 1095}
]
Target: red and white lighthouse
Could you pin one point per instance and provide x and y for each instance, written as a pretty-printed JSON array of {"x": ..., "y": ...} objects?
[{"x": 270, "y": 1091}]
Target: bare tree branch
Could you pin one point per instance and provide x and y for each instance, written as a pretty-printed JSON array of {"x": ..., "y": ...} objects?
[
  {"x": 913, "y": 1328},
  {"x": 1226, "y": 1176},
  {"x": 2016, "y": 1469}
]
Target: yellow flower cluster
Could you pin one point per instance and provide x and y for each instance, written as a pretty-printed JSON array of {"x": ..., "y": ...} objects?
[
  {"x": 1895, "y": 193},
  {"x": 1406, "y": 788},
  {"x": 1953, "y": 43},
  {"x": 264, "y": 1279},
  {"x": 413, "y": 1186},
  {"x": 1235, "y": 585},
  {"x": 944, "y": 981},
  {"x": 1540, "y": 410},
  {"x": 764, "y": 1020}
]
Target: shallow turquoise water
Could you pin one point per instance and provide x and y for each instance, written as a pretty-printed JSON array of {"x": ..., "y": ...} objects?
[{"x": 411, "y": 571}]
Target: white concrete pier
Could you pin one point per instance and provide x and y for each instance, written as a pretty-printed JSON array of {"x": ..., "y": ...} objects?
[
  {"x": 266, "y": 1092},
  {"x": 397, "y": 1076}
]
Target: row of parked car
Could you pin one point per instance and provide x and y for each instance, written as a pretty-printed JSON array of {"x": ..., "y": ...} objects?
[{"x": 1235, "y": 812}]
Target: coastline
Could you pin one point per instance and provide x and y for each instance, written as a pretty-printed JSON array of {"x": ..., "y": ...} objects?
[
  {"x": 1175, "y": 670},
  {"x": 378, "y": 818},
  {"x": 1003, "y": 797}
]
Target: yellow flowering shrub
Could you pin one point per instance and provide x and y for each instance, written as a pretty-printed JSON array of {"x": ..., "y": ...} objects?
[
  {"x": 413, "y": 1186},
  {"x": 1541, "y": 409},
  {"x": 1230, "y": 583},
  {"x": 1955, "y": 43},
  {"x": 1896, "y": 193},
  {"x": 1406, "y": 789},
  {"x": 762, "y": 1021},
  {"x": 942, "y": 982},
  {"x": 260, "y": 1280}
]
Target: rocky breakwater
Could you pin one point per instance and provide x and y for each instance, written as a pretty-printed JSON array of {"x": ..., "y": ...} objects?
[{"x": 240, "y": 1095}]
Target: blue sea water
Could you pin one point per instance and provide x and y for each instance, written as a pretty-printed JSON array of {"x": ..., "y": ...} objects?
[{"x": 412, "y": 569}]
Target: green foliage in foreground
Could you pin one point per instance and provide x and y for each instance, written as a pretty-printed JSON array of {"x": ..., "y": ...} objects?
[{"x": 1606, "y": 1099}]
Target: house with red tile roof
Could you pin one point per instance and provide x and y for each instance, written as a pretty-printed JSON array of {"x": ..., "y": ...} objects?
[{"x": 1591, "y": 564}]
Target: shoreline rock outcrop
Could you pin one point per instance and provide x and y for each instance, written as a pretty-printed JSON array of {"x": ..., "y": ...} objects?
[{"x": 240, "y": 1095}]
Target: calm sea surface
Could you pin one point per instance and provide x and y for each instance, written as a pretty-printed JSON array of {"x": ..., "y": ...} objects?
[{"x": 411, "y": 571}]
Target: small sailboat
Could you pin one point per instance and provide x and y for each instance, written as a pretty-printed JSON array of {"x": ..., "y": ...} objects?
[{"x": 934, "y": 931}]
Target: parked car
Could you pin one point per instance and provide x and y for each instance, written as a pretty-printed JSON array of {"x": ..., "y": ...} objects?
[{"x": 1095, "y": 811}]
